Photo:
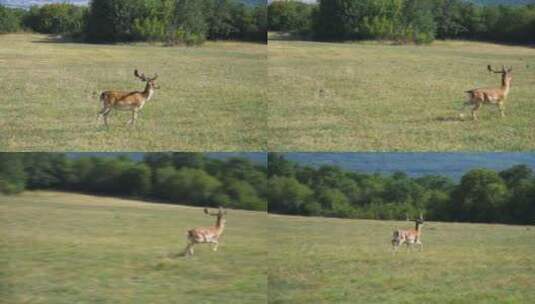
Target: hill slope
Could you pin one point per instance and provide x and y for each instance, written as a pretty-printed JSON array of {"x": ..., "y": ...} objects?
[
  {"x": 67, "y": 248},
  {"x": 320, "y": 260},
  {"x": 211, "y": 97},
  {"x": 371, "y": 96}
]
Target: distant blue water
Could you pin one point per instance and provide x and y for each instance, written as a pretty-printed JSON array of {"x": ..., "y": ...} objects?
[{"x": 454, "y": 165}]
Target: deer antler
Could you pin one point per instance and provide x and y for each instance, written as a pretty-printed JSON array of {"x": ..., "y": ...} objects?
[
  {"x": 155, "y": 76},
  {"x": 220, "y": 212},
  {"x": 140, "y": 76},
  {"x": 489, "y": 67}
]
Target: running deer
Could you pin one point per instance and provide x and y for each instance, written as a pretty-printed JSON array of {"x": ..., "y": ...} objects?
[
  {"x": 206, "y": 234},
  {"x": 128, "y": 101},
  {"x": 408, "y": 237},
  {"x": 497, "y": 96}
]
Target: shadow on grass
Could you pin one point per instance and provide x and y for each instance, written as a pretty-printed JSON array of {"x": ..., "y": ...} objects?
[
  {"x": 456, "y": 118},
  {"x": 58, "y": 39},
  {"x": 70, "y": 39}
]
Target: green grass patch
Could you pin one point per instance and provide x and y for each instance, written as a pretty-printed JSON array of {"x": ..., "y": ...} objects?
[
  {"x": 371, "y": 96},
  {"x": 68, "y": 248},
  {"x": 212, "y": 98},
  {"x": 318, "y": 260}
]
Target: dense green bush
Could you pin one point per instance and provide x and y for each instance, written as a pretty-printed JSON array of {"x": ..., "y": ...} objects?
[
  {"x": 405, "y": 21},
  {"x": 290, "y": 16},
  {"x": 10, "y": 20},
  {"x": 482, "y": 195},
  {"x": 12, "y": 175},
  {"x": 180, "y": 178},
  {"x": 188, "y": 22},
  {"x": 57, "y": 19},
  {"x": 174, "y": 21}
]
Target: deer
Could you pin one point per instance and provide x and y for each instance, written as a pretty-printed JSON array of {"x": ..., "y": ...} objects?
[
  {"x": 409, "y": 237},
  {"x": 497, "y": 96},
  {"x": 127, "y": 101},
  {"x": 208, "y": 235}
]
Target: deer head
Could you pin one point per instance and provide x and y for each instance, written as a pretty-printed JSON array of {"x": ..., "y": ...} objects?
[
  {"x": 151, "y": 82},
  {"x": 419, "y": 221},
  {"x": 219, "y": 214},
  {"x": 506, "y": 73}
]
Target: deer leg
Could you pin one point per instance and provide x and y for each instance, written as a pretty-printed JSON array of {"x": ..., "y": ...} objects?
[
  {"x": 132, "y": 121},
  {"x": 501, "y": 106},
  {"x": 105, "y": 115},
  {"x": 134, "y": 117},
  {"x": 475, "y": 111},
  {"x": 216, "y": 244},
  {"x": 101, "y": 113},
  {"x": 395, "y": 248},
  {"x": 189, "y": 249}
]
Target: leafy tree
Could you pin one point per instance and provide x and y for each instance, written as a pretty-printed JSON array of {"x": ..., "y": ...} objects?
[
  {"x": 335, "y": 203},
  {"x": 480, "y": 196},
  {"x": 10, "y": 20},
  {"x": 59, "y": 18},
  {"x": 244, "y": 195},
  {"x": 290, "y": 16},
  {"x": 521, "y": 206},
  {"x": 189, "y": 185},
  {"x": 287, "y": 195},
  {"x": 47, "y": 170},
  {"x": 12, "y": 175},
  {"x": 135, "y": 180},
  {"x": 514, "y": 175},
  {"x": 112, "y": 20},
  {"x": 279, "y": 166}
]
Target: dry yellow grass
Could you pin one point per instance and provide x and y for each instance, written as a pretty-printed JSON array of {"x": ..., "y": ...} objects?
[
  {"x": 376, "y": 97},
  {"x": 212, "y": 98}
]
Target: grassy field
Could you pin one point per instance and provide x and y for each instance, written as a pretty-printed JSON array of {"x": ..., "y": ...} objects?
[
  {"x": 374, "y": 97},
  {"x": 212, "y": 98},
  {"x": 350, "y": 261},
  {"x": 66, "y": 248}
]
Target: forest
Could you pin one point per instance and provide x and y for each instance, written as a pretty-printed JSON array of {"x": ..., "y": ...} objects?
[
  {"x": 170, "y": 21},
  {"x": 177, "y": 178},
  {"x": 481, "y": 195},
  {"x": 404, "y": 21}
]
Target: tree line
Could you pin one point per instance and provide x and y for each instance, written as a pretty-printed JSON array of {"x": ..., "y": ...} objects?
[
  {"x": 404, "y": 21},
  {"x": 482, "y": 195},
  {"x": 180, "y": 178},
  {"x": 169, "y": 21}
]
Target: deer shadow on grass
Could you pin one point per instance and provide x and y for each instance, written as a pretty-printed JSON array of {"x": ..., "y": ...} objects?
[
  {"x": 175, "y": 255},
  {"x": 450, "y": 118}
]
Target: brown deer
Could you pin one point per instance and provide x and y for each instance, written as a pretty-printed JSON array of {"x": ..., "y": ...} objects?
[
  {"x": 497, "y": 96},
  {"x": 127, "y": 101},
  {"x": 409, "y": 237},
  {"x": 206, "y": 234}
]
